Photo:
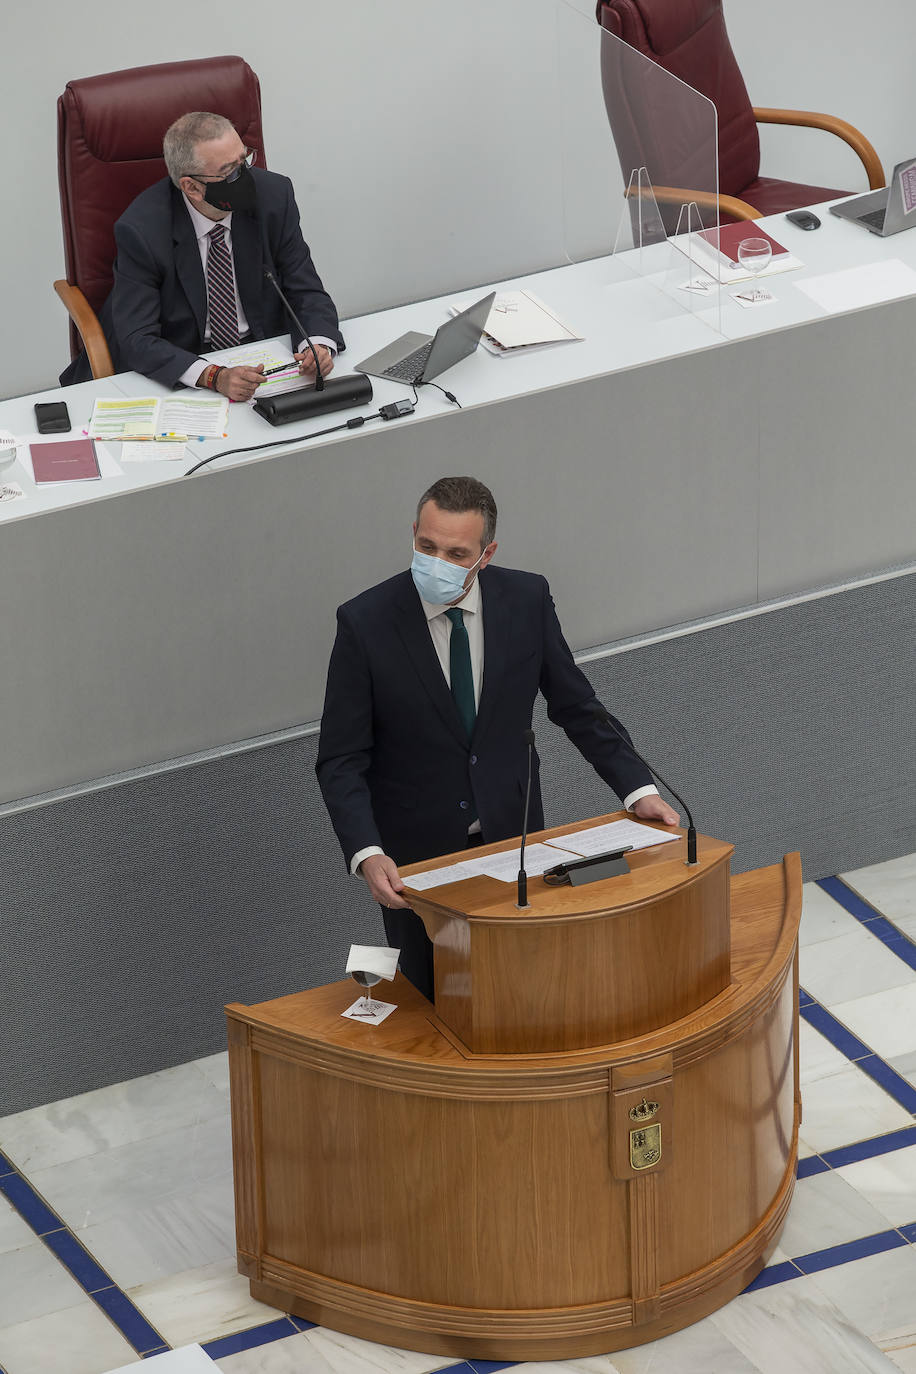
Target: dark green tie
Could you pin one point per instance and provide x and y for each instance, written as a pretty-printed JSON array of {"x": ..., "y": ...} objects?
[{"x": 462, "y": 678}]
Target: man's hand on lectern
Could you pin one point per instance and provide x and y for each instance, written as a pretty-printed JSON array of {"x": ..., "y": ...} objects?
[
  {"x": 655, "y": 808},
  {"x": 381, "y": 875}
]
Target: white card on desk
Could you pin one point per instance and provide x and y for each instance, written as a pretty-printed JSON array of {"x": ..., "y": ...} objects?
[{"x": 358, "y": 1012}]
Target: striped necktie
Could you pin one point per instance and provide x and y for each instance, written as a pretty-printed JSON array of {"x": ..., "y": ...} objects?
[
  {"x": 224, "y": 320},
  {"x": 462, "y": 677}
]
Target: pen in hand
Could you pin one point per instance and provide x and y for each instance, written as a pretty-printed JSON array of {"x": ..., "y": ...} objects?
[{"x": 281, "y": 367}]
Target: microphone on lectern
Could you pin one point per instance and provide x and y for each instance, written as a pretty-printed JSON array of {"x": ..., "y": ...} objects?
[
  {"x": 528, "y": 736},
  {"x": 608, "y": 719},
  {"x": 303, "y": 332}
]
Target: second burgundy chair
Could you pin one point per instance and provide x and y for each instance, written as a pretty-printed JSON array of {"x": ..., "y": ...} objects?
[{"x": 689, "y": 39}]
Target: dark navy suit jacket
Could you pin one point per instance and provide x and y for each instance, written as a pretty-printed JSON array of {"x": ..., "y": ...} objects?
[
  {"x": 394, "y": 764},
  {"x": 154, "y": 318}
]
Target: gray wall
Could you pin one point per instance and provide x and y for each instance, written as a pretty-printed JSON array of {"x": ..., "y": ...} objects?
[
  {"x": 131, "y": 914},
  {"x": 485, "y": 155}
]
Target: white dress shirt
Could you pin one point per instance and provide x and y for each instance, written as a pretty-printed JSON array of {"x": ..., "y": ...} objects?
[
  {"x": 440, "y": 629},
  {"x": 202, "y": 227}
]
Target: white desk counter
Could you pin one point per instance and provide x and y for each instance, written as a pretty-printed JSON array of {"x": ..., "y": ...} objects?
[{"x": 657, "y": 472}]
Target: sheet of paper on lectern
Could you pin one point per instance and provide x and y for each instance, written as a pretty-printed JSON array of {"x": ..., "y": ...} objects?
[
  {"x": 438, "y": 877},
  {"x": 373, "y": 959},
  {"x": 600, "y": 839},
  {"x": 505, "y": 866}
]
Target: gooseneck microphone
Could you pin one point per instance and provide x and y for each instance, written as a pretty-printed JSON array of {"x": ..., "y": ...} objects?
[
  {"x": 528, "y": 736},
  {"x": 303, "y": 332},
  {"x": 608, "y": 719}
]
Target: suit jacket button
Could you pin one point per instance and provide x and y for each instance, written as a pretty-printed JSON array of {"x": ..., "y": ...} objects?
[
  {"x": 463, "y": 805},
  {"x": 473, "y": 758}
]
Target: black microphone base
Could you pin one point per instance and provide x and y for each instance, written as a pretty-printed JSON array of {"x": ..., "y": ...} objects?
[{"x": 338, "y": 393}]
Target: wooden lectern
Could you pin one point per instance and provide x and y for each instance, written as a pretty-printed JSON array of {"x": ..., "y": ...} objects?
[{"x": 589, "y": 1141}]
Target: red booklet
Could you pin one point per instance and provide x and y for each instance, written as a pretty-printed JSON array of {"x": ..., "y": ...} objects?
[
  {"x": 70, "y": 460},
  {"x": 730, "y": 235}
]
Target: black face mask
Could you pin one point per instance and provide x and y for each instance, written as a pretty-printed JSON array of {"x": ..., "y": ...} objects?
[{"x": 238, "y": 194}]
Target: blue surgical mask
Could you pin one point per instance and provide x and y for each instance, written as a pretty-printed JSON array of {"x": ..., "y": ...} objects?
[{"x": 438, "y": 582}]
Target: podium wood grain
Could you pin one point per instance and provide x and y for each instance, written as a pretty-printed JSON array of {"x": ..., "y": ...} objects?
[{"x": 393, "y": 1183}]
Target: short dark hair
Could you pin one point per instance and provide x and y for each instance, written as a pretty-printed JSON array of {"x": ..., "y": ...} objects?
[{"x": 460, "y": 494}]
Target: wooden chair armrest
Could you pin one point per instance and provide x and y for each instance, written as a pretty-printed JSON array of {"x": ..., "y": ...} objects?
[
  {"x": 810, "y": 119},
  {"x": 86, "y": 321},
  {"x": 705, "y": 200}
]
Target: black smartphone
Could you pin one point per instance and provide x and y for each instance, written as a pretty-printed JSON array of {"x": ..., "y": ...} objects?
[{"x": 53, "y": 417}]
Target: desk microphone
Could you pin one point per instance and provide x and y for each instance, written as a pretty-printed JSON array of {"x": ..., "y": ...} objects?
[
  {"x": 303, "y": 332},
  {"x": 608, "y": 719},
  {"x": 528, "y": 736},
  {"x": 339, "y": 394}
]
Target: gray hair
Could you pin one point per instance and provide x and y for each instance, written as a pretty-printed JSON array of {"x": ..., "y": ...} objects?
[
  {"x": 460, "y": 494},
  {"x": 179, "y": 147}
]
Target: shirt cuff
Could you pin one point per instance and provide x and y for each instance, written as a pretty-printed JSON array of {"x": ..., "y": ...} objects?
[
  {"x": 650, "y": 791},
  {"x": 192, "y": 375},
  {"x": 329, "y": 344},
  {"x": 360, "y": 855}
]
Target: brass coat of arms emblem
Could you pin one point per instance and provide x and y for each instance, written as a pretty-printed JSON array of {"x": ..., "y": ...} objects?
[{"x": 646, "y": 1146}]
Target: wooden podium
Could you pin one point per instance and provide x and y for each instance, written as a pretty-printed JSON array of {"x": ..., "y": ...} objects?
[{"x": 589, "y": 1142}]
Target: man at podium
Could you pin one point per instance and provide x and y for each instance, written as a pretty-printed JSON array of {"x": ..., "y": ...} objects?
[{"x": 430, "y": 690}]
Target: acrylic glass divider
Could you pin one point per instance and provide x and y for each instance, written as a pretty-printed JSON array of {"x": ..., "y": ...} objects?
[{"x": 640, "y": 180}]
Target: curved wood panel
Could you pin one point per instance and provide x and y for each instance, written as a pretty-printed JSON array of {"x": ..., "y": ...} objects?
[
  {"x": 393, "y": 1184},
  {"x": 579, "y": 966}
]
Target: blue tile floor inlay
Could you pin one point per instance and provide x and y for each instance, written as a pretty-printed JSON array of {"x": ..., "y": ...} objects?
[
  {"x": 850, "y": 1250},
  {"x": 132, "y": 1324},
  {"x": 893, "y": 1083},
  {"x": 29, "y": 1205},
  {"x": 870, "y": 1149},
  {"x": 775, "y": 1273},
  {"x": 909, "y": 1231},
  {"x": 849, "y": 900},
  {"x": 80, "y": 1263},
  {"x": 812, "y": 1165},
  {"x": 486, "y": 1366},
  {"x": 834, "y": 1031},
  {"x": 249, "y": 1340}
]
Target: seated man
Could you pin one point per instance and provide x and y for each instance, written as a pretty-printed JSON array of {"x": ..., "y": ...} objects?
[{"x": 189, "y": 276}]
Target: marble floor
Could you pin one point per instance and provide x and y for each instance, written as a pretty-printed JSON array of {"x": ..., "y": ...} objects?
[{"x": 116, "y": 1226}]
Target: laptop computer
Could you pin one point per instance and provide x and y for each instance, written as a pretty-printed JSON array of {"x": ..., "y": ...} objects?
[
  {"x": 888, "y": 211},
  {"x": 416, "y": 358}
]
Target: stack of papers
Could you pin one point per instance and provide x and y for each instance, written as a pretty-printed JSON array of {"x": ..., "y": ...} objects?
[
  {"x": 519, "y": 319},
  {"x": 595, "y": 839}
]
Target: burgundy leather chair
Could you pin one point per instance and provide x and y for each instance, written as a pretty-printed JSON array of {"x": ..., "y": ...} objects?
[
  {"x": 689, "y": 39},
  {"x": 109, "y": 149}
]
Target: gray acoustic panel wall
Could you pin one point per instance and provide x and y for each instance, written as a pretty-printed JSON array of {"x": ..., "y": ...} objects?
[{"x": 132, "y": 913}]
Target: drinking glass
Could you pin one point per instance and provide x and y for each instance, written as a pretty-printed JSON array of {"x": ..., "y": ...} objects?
[
  {"x": 754, "y": 256},
  {"x": 366, "y": 980}
]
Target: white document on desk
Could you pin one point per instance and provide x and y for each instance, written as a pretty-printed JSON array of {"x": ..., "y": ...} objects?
[
  {"x": 855, "y": 287},
  {"x": 505, "y": 866},
  {"x": 519, "y": 320},
  {"x": 601, "y": 839},
  {"x": 438, "y": 877}
]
